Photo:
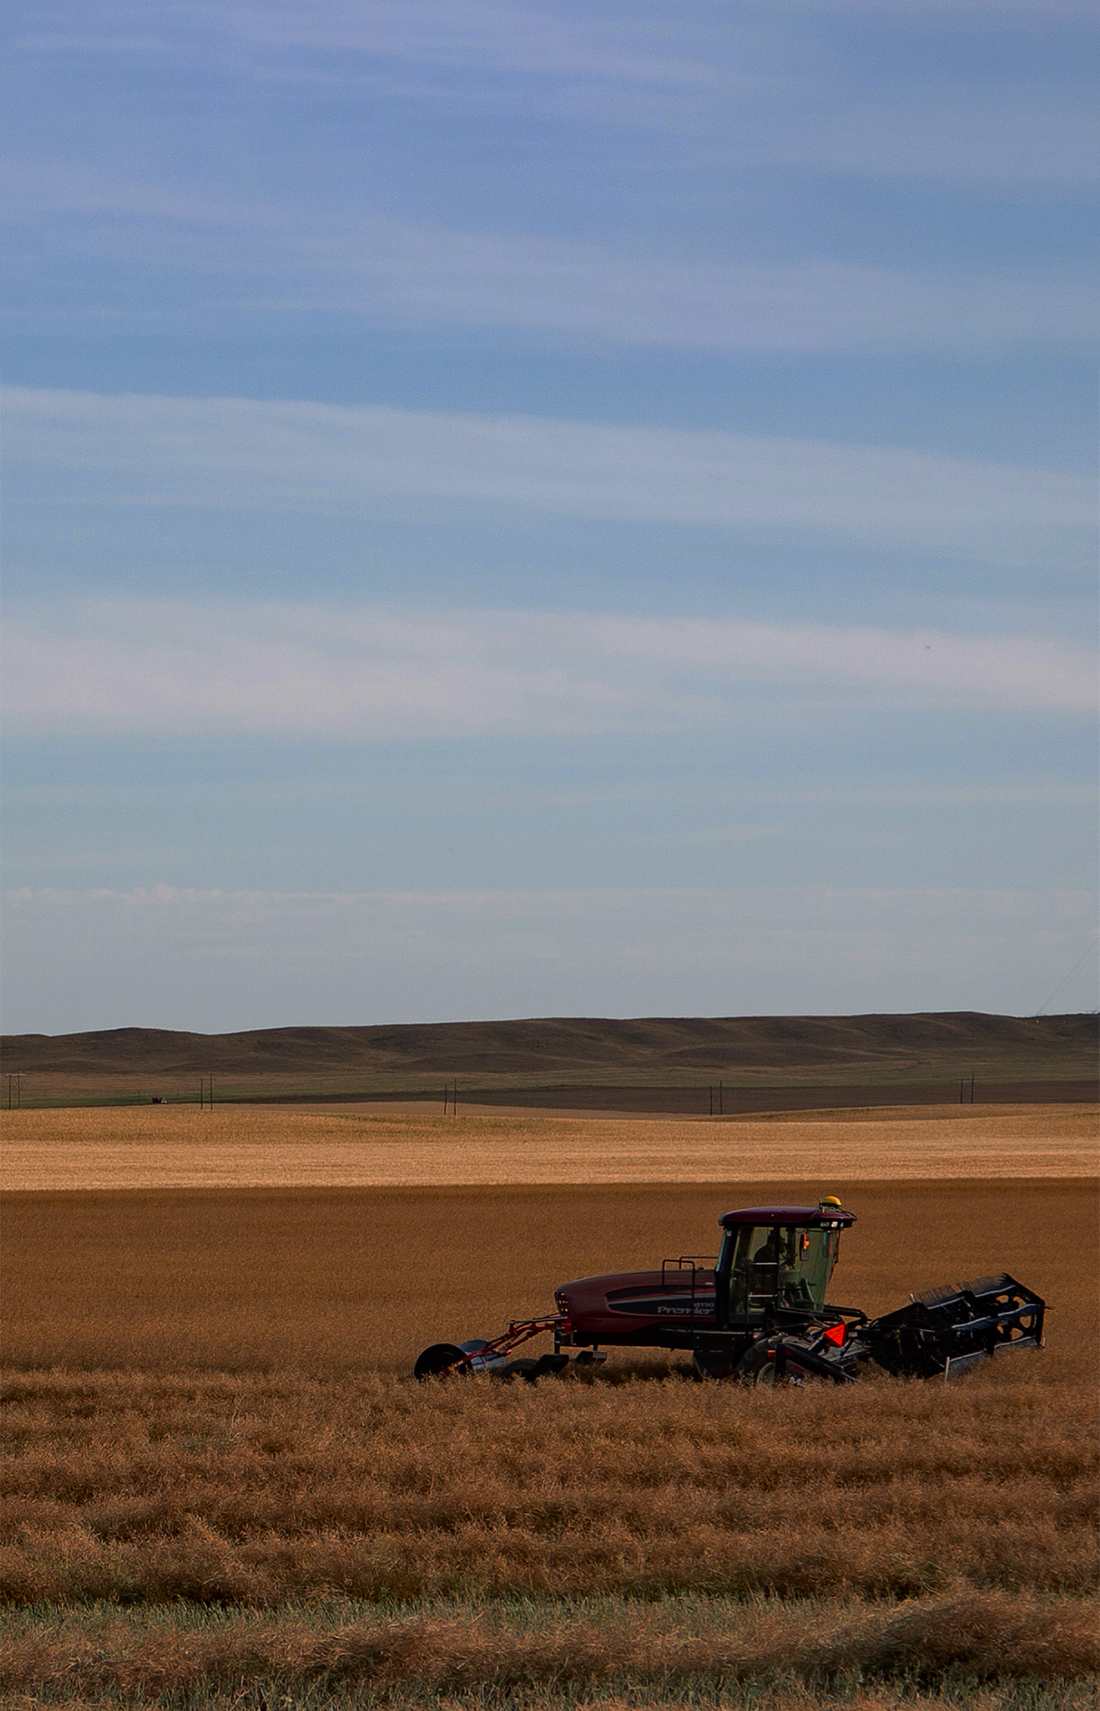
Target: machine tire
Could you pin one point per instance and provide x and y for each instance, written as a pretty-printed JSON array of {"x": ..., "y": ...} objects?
[
  {"x": 765, "y": 1376},
  {"x": 436, "y": 1361},
  {"x": 710, "y": 1364},
  {"x": 759, "y": 1367},
  {"x": 524, "y": 1369}
]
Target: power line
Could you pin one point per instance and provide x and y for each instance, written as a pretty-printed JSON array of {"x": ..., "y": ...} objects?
[{"x": 1065, "y": 982}]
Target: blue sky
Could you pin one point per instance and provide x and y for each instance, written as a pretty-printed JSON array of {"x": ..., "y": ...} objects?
[{"x": 548, "y": 509}]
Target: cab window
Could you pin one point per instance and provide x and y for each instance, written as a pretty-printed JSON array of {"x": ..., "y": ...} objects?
[{"x": 778, "y": 1264}]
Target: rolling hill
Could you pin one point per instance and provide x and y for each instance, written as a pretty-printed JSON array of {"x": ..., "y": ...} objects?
[{"x": 563, "y": 1055}]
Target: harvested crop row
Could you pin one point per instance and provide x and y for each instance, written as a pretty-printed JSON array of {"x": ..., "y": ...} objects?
[
  {"x": 255, "y": 1490},
  {"x": 986, "y": 1636}
]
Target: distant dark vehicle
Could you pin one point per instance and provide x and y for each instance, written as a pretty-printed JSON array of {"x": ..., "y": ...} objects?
[{"x": 758, "y": 1312}]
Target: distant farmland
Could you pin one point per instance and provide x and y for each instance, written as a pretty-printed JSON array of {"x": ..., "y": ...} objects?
[{"x": 154, "y": 1146}]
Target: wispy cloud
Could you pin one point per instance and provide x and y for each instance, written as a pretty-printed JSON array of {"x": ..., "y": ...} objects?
[
  {"x": 565, "y": 35},
  {"x": 944, "y": 902},
  {"x": 361, "y": 674},
  {"x": 1023, "y": 134},
  {"x": 474, "y": 36},
  {"x": 717, "y": 72},
  {"x": 1002, "y": 14},
  {"x": 260, "y": 257},
  {"x": 65, "y": 447},
  {"x": 261, "y": 958}
]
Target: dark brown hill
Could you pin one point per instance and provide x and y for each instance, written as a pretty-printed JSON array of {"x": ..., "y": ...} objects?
[{"x": 672, "y": 1050}]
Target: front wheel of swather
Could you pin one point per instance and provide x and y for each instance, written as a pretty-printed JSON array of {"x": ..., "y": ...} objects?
[
  {"x": 767, "y": 1376},
  {"x": 759, "y": 1365},
  {"x": 710, "y": 1363},
  {"x": 524, "y": 1368},
  {"x": 438, "y": 1361}
]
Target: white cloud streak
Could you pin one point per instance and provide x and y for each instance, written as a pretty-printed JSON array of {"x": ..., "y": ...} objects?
[
  {"x": 556, "y": 37},
  {"x": 362, "y": 674},
  {"x": 475, "y": 37},
  {"x": 942, "y": 902},
  {"x": 257, "y": 257},
  {"x": 260, "y": 958},
  {"x": 723, "y": 72},
  {"x": 241, "y": 454},
  {"x": 1023, "y": 136}
]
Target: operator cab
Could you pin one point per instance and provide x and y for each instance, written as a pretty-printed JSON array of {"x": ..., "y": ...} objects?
[{"x": 776, "y": 1257}]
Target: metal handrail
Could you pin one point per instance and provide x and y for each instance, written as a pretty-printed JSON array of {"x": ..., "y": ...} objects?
[{"x": 688, "y": 1262}]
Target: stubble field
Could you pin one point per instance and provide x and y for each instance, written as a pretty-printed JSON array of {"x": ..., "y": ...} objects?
[
  {"x": 222, "y": 1488},
  {"x": 155, "y": 1146}
]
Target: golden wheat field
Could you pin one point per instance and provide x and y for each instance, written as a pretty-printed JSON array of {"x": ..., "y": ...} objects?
[
  {"x": 180, "y": 1146},
  {"x": 222, "y": 1489},
  {"x": 334, "y": 1281}
]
